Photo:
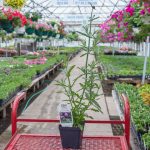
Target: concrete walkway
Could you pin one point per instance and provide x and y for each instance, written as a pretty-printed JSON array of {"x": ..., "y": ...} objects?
[{"x": 45, "y": 106}]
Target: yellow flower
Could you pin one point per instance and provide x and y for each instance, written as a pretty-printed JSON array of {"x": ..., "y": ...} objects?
[{"x": 16, "y": 4}]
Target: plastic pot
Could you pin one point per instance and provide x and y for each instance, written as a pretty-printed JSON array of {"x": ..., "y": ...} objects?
[
  {"x": 30, "y": 30},
  {"x": 71, "y": 137}
]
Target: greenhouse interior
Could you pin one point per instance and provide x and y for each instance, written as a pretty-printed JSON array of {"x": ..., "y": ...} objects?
[{"x": 75, "y": 75}]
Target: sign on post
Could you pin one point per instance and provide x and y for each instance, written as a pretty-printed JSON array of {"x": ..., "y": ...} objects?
[
  {"x": 61, "y": 2},
  {"x": 85, "y": 2},
  {"x": 75, "y": 2},
  {"x": 145, "y": 60}
]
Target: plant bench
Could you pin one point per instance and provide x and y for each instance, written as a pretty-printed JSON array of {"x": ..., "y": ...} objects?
[{"x": 43, "y": 142}]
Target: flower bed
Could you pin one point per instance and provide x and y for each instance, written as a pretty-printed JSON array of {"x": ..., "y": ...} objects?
[
  {"x": 15, "y": 74},
  {"x": 139, "y": 111}
]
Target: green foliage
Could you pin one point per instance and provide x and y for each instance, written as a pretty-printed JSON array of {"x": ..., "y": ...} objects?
[
  {"x": 123, "y": 65},
  {"x": 6, "y": 25},
  {"x": 146, "y": 139},
  {"x": 143, "y": 33},
  {"x": 68, "y": 50},
  {"x": 34, "y": 16},
  {"x": 145, "y": 93},
  {"x": 27, "y": 57},
  {"x": 30, "y": 30},
  {"x": 134, "y": 20},
  {"x": 145, "y": 88},
  {"x": 139, "y": 111},
  {"x": 84, "y": 98},
  {"x": 73, "y": 36},
  {"x": 14, "y": 74},
  {"x": 62, "y": 50}
]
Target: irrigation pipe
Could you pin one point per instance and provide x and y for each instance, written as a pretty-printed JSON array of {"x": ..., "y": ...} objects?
[{"x": 35, "y": 94}]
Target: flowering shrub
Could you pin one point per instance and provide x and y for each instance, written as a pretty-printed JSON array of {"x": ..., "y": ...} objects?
[
  {"x": 30, "y": 27},
  {"x": 13, "y": 17},
  {"x": 58, "y": 28},
  {"x": 61, "y": 30},
  {"x": 16, "y": 4},
  {"x": 119, "y": 26},
  {"x": 41, "y": 29},
  {"x": 34, "y": 16}
]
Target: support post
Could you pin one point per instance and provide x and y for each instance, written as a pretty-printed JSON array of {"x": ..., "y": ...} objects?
[
  {"x": 127, "y": 118},
  {"x": 4, "y": 113},
  {"x": 145, "y": 60}
]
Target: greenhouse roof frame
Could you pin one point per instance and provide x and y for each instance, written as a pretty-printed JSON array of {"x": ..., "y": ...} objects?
[{"x": 68, "y": 12}]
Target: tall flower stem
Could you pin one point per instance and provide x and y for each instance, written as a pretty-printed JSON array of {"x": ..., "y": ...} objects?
[{"x": 87, "y": 56}]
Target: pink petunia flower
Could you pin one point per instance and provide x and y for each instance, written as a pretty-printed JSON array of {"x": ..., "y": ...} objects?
[
  {"x": 142, "y": 12},
  {"x": 129, "y": 9}
]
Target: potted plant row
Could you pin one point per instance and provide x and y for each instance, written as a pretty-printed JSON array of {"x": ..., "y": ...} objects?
[
  {"x": 139, "y": 103},
  {"x": 123, "y": 66},
  {"x": 22, "y": 75}
]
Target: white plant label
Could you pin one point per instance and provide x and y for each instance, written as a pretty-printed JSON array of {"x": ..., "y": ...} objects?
[{"x": 65, "y": 114}]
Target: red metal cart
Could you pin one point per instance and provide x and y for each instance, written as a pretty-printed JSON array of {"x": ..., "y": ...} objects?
[{"x": 53, "y": 142}]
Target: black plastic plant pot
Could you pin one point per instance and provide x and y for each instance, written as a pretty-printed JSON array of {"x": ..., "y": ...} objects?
[
  {"x": 30, "y": 30},
  {"x": 1, "y": 102},
  {"x": 71, "y": 137},
  {"x": 7, "y": 26}
]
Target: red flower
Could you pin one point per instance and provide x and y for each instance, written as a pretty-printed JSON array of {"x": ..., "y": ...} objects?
[{"x": 14, "y": 15}]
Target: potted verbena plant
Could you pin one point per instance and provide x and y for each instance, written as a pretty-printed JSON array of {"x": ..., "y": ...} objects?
[{"x": 83, "y": 99}]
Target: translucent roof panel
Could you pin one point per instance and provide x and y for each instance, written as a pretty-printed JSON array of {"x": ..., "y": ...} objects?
[{"x": 75, "y": 11}]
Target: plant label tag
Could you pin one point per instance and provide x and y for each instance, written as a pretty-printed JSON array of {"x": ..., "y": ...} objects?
[{"x": 66, "y": 119}]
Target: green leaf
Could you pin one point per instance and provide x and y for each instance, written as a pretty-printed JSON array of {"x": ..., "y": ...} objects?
[
  {"x": 77, "y": 78},
  {"x": 89, "y": 116},
  {"x": 95, "y": 103},
  {"x": 95, "y": 18},
  {"x": 83, "y": 34},
  {"x": 69, "y": 71},
  {"x": 83, "y": 54},
  {"x": 95, "y": 110}
]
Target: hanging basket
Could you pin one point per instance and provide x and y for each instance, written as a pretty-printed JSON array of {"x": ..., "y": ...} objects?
[
  {"x": 61, "y": 36},
  {"x": 49, "y": 33},
  {"x": 6, "y": 25},
  {"x": 30, "y": 30},
  {"x": 20, "y": 31},
  {"x": 54, "y": 34},
  {"x": 39, "y": 32},
  {"x": 136, "y": 30},
  {"x": 45, "y": 33}
]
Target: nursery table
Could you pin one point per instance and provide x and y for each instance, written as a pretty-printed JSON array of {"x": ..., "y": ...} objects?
[{"x": 53, "y": 142}]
